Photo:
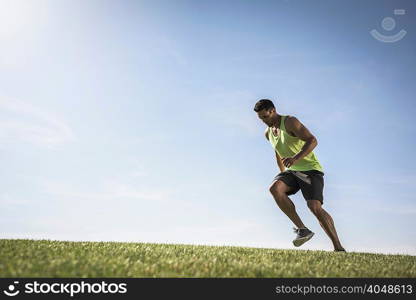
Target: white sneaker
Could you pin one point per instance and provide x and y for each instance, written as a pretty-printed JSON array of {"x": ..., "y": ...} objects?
[{"x": 303, "y": 235}]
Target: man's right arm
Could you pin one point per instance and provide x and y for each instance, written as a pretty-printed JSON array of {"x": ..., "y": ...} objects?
[{"x": 279, "y": 161}]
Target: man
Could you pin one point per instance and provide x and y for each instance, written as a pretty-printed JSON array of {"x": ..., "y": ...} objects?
[{"x": 293, "y": 144}]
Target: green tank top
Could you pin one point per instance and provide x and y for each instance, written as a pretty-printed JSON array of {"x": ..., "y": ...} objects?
[{"x": 288, "y": 146}]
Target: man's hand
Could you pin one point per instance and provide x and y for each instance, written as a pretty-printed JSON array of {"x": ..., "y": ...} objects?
[{"x": 289, "y": 161}]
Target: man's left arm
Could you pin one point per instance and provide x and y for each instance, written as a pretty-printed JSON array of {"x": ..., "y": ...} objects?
[{"x": 299, "y": 130}]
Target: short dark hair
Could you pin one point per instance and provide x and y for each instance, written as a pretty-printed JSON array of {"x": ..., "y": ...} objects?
[{"x": 263, "y": 104}]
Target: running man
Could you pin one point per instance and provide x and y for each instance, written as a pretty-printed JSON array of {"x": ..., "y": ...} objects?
[{"x": 293, "y": 144}]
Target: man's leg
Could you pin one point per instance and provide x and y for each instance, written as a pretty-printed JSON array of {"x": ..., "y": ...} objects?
[
  {"x": 279, "y": 190},
  {"x": 326, "y": 222}
]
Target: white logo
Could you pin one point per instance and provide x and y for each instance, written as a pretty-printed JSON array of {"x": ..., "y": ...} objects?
[
  {"x": 389, "y": 24},
  {"x": 11, "y": 291}
]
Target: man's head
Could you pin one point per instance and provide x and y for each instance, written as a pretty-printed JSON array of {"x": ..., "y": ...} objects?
[{"x": 266, "y": 111}]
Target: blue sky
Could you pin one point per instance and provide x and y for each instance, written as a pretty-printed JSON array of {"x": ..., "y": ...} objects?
[{"x": 133, "y": 120}]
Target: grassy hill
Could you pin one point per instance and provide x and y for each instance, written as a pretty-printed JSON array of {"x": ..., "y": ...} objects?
[{"x": 45, "y": 258}]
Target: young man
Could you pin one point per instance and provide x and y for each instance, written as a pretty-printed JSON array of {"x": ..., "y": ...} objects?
[{"x": 293, "y": 144}]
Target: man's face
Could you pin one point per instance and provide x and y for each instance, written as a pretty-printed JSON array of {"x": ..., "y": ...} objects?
[{"x": 266, "y": 116}]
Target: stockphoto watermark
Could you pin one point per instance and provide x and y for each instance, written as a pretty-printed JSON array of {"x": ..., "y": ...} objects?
[
  {"x": 389, "y": 24},
  {"x": 71, "y": 289}
]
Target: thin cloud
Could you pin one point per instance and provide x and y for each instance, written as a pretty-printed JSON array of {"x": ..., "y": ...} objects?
[
  {"x": 407, "y": 180},
  {"x": 112, "y": 191},
  {"x": 279, "y": 55},
  {"x": 342, "y": 116},
  {"x": 235, "y": 112},
  {"x": 8, "y": 200},
  {"x": 24, "y": 122},
  {"x": 353, "y": 187},
  {"x": 405, "y": 210}
]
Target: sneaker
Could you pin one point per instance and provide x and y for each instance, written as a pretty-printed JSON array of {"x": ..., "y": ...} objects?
[{"x": 303, "y": 235}]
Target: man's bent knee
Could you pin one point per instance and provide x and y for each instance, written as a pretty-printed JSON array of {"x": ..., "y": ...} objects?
[
  {"x": 315, "y": 206},
  {"x": 279, "y": 188}
]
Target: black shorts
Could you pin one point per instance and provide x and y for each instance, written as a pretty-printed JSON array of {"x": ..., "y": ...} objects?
[{"x": 311, "y": 183}]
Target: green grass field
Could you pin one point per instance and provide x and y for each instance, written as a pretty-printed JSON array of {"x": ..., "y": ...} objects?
[{"x": 45, "y": 258}]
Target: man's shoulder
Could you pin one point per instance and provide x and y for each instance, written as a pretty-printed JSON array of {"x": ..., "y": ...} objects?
[
  {"x": 290, "y": 122},
  {"x": 291, "y": 119}
]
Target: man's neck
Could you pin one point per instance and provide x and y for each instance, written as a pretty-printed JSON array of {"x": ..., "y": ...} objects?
[{"x": 276, "y": 124}]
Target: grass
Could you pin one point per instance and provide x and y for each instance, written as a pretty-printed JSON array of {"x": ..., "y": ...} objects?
[{"x": 45, "y": 258}]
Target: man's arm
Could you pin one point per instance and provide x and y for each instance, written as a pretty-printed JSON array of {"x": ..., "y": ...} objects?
[
  {"x": 266, "y": 133},
  {"x": 279, "y": 161},
  {"x": 299, "y": 130}
]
